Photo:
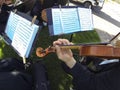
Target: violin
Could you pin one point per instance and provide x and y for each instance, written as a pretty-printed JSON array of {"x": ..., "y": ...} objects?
[{"x": 102, "y": 51}]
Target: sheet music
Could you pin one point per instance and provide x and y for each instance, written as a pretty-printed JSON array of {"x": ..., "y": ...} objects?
[
  {"x": 11, "y": 25},
  {"x": 65, "y": 21},
  {"x": 85, "y": 16},
  {"x": 22, "y": 33},
  {"x": 69, "y": 20}
]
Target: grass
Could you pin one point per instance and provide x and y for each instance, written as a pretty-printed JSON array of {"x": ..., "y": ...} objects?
[{"x": 59, "y": 80}]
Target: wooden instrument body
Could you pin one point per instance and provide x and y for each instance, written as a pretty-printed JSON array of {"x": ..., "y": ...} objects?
[{"x": 102, "y": 51}]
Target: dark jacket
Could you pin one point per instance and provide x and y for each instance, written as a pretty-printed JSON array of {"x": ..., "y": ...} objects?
[
  {"x": 38, "y": 7},
  {"x": 4, "y": 17},
  {"x": 4, "y": 13},
  {"x": 108, "y": 78},
  {"x": 13, "y": 76}
]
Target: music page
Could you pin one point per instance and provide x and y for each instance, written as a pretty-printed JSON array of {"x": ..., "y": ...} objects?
[
  {"x": 11, "y": 25},
  {"x": 86, "y": 20},
  {"x": 22, "y": 34},
  {"x": 65, "y": 20}
]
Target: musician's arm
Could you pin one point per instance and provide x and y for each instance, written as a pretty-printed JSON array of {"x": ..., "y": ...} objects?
[
  {"x": 83, "y": 79},
  {"x": 65, "y": 55},
  {"x": 37, "y": 9}
]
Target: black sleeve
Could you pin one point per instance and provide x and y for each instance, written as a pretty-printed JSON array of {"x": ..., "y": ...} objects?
[
  {"x": 83, "y": 79},
  {"x": 15, "y": 80},
  {"x": 37, "y": 9},
  {"x": 109, "y": 79},
  {"x": 13, "y": 75},
  {"x": 4, "y": 14}
]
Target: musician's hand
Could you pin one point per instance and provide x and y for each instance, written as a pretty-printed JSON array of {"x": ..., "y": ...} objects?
[
  {"x": 65, "y": 55},
  {"x": 1, "y": 2},
  {"x": 43, "y": 15},
  {"x": 8, "y": 2},
  {"x": 5, "y": 1}
]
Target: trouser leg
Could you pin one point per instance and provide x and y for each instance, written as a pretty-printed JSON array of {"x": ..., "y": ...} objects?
[{"x": 40, "y": 77}]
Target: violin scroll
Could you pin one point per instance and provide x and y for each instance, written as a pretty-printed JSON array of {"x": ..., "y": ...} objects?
[{"x": 40, "y": 52}]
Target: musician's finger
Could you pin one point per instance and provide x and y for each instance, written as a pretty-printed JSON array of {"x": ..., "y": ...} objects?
[{"x": 64, "y": 41}]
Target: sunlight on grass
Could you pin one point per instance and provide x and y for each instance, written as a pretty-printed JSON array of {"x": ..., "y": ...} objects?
[
  {"x": 2, "y": 45},
  {"x": 6, "y": 51},
  {"x": 1, "y": 54},
  {"x": 61, "y": 87},
  {"x": 86, "y": 37}
]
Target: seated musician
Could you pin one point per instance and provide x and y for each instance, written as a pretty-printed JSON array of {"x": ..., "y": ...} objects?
[
  {"x": 4, "y": 13},
  {"x": 107, "y": 76},
  {"x": 14, "y": 76},
  {"x": 40, "y": 6},
  {"x": 8, "y": 5}
]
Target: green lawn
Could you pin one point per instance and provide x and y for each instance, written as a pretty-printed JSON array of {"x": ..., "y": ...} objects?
[{"x": 59, "y": 80}]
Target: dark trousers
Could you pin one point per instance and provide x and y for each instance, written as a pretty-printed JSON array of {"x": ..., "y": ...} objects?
[
  {"x": 40, "y": 76},
  {"x": 13, "y": 76}
]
